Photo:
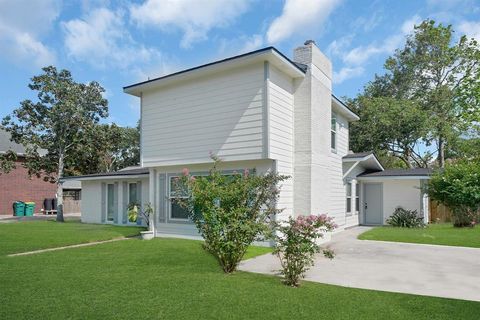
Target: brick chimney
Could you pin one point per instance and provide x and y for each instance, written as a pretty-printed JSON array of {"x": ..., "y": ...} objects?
[{"x": 312, "y": 116}]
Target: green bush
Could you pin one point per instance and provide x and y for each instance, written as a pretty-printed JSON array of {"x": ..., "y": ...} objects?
[
  {"x": 230, "y": 211},
  {"x": 458, "y": 187},
  {"x": 405, "y": 219}
]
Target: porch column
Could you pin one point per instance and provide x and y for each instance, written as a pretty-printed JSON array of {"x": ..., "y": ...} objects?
[{"x": 152, "y": 198}]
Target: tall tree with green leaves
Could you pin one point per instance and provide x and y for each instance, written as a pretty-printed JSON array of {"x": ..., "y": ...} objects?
[
  {"x": 65, "y": 112},
  {"x": 390, "y": 127},
  {"x": 441, "y": 75},
  {"x": 108, "y": 148}
]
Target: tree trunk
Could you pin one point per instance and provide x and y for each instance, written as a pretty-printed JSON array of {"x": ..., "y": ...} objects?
[
  {"x": 441, "y": 152},
  {"x": 60, "y": 189}
]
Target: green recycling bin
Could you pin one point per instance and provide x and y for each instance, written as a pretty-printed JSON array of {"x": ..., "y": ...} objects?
[
  {"x": 29, "y": 208},
  {"x": 18, "y": 208}
]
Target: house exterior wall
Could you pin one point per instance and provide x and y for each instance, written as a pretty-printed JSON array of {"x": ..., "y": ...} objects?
[
  {"x": 319, "y": 185},
  {"x": 405, "y": 193},
  {"x": 94, "y": 198},
  {"x": 159, "y": 177},
  {"x": 91, "y": 210},
  {"x": 337, "y": 184},
  {"x": 281, "y": 134},
  {"x": 221, "y": 114},
  {"x": 18, "y": 186}
]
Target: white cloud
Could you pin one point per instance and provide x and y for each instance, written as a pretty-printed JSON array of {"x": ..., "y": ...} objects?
[
  {"x": 470, "y": 28},
  {"x": 194, "y": 18},
  {"x": 338, "y": 46},
  {"x": 22, "y": 26},
  {"x": 362, "y": 54},
  {"x": 102, "y": 39},
  {"x": 299, "y": 16},
  {"x": 242, "y": 44},
  {"x": 355, "y": 59},
  {"x": 347, "y": 73}
]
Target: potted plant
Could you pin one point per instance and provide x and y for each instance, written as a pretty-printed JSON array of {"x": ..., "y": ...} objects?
[
  {"x": 133, "y": 212},
  {"x": 146, "y": 213}
]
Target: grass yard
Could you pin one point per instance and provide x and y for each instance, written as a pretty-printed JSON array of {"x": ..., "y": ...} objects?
[
  {"x": 442, "y": 234},
  {"x": 25, "y": 236},
  {"x": 176, "y": 279}
]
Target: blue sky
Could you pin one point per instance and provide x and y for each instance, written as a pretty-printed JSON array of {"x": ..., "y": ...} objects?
[{"x": 118, "y": 43}]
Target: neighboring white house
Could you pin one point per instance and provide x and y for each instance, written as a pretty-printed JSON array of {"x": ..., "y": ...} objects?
[{"x": 257, "y": 110}]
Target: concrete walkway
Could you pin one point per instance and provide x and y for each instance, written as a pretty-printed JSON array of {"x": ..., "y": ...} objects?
[
  {"x": 431, "y": 270},
  {"x": 88, "y": 244}
]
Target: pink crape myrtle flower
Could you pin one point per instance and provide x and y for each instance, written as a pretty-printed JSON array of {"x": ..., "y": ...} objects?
[
  {"x": 185, "y": 171},
  {"x": 246, "y": 172}
]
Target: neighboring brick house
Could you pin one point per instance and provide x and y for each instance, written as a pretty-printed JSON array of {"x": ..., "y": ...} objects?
[{"x": 17, "y": 185}]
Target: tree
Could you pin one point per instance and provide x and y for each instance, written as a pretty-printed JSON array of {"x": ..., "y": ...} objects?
[
  {"x": 390, "y": 127},
  {"x": 65, "y": 112},
  {"x": 441, "y": 76},
  {"x": 107, "y": 148},
  {"x": 458, "y": 187}
]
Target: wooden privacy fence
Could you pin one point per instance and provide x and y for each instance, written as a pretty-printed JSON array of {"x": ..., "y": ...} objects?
[
  {"x": 71, "y": 206},
  {"x": 439, "y": 213}
]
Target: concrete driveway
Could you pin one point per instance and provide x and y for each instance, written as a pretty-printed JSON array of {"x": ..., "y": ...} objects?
[{"x": 431, "y": 270}]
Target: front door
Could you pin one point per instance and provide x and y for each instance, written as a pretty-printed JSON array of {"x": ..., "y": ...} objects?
[{"x": 373, "y": 203}]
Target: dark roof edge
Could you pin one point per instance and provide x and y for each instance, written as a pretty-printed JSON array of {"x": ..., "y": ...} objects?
[
  {"x": 343, "y": 104},
  {"x": 109, "y": 174},
  {"x": 218, "y": 62}
]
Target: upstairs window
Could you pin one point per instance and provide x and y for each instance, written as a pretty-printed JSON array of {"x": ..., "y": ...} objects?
[{"x": 333, "y": 133}]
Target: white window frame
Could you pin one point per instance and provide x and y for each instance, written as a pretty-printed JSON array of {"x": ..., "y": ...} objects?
[
  {"x": 348, "y": 198},
  {"x": 333, "y": 132},
  {"x": 357, "y": 198},
  {"x": 136, "y": 192},
  {"x": 170, "y": 200}
]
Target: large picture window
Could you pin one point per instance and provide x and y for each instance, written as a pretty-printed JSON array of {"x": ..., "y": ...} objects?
[
  {"x": 333, "y": 133},
  {"x": 177, "y": 191}
]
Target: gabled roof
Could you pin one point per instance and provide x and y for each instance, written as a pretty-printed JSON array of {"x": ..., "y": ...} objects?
[
  {"x": 357, "y": 155},
  {"x": 269, "y": 53},
  {"x": 6, "y": 144}
]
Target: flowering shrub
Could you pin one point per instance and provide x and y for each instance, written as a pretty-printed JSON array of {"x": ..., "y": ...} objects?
[
  {"x": 230, "y": 211},
  {"x": 296, "y": 244}
]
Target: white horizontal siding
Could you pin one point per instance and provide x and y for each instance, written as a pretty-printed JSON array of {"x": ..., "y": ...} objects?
[
  {"x": 220, "y": 114},
  {"x": 337, "y": 190},
  {"x": 281, "y": 134}
]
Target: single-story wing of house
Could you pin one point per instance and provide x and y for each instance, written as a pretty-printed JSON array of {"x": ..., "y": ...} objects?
[{"x": 260, "y": 110}]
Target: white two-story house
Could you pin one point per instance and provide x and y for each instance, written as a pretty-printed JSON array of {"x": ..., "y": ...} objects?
[{"x": 259, "y": 110}]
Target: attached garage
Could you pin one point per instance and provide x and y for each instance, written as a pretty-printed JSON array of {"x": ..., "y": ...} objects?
[{"x": 384, "y": 191}]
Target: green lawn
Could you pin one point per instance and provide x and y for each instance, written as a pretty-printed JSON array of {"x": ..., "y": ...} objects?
[
  {"x": 443, "y": 234},
  {"x": 176, "y": 279},
  {"x": 33, "y": 235}
]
